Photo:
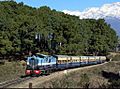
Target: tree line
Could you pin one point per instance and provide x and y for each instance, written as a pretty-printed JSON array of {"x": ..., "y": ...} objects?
[{"x": 24, "y": 28}]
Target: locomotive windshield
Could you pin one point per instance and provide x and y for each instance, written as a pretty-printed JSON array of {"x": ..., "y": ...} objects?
[{"x": 33, "y": 63}]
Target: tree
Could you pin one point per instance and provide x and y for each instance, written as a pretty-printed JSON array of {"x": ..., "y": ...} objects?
[{"x": 20, "y": 23}]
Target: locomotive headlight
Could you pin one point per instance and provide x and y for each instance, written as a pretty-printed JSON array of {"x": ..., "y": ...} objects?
[
  {"x": 37, "y": 71},
  {"x": 27, "y": 72}
]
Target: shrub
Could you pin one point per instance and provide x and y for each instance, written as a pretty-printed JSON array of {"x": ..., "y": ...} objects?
[
  {"x": 116, "y": 58},
  {"x": 114, "y": 83},
  {"x": 2, "y": 62},
  {"x": 85, "y": 80}
]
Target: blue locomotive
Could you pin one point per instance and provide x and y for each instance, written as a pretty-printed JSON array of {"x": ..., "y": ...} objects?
[{"x": 39, "y": 64}]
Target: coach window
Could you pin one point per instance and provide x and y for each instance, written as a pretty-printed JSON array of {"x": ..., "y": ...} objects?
[
  {"x": 58, "y": 61},
  {"x": 65, "y": 60}
]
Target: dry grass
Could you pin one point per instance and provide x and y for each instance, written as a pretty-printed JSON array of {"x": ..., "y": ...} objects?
[
  {"x": 116, "y": 57},
  {"x": 11, "y": 70}
]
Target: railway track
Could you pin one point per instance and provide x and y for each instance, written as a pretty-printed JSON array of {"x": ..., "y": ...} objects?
[{"x": 14, "y": 81}]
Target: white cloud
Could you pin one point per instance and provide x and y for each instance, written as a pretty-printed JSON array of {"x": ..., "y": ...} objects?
[
  {"x": 77, "y": 13},
  {"x": 112, "y": 10}
]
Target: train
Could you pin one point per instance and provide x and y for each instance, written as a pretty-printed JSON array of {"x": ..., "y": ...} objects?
[{"x": 41, "y": 64}]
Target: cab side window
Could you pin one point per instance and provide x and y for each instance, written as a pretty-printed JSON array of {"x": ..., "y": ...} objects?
[{"x": 49, "y": 60}]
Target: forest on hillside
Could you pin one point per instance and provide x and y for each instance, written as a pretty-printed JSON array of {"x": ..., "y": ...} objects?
[{"x": 24, "y": 28}]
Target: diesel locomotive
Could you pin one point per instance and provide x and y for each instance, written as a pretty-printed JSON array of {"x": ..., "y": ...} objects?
[{"x": 40, "y": 64}]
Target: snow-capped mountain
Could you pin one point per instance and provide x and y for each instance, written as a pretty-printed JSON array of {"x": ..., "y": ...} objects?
[
  {"x": 110, "y": 12},
  {"x": 115, "y": 23}
]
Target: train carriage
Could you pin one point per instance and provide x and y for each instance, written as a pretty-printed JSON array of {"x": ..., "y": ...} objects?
[
  {"x": 84, "y": 60},
  {"x": 102, "y": 59},
  {"x": 97, "y": 59},
  {"x": 75, "y": 61},
  {"x": 63, "y": 61},
  {"x": 92, "y": 60}
]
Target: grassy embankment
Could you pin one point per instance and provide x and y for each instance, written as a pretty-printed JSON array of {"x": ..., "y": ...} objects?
[
  {"x": 105, "y": 76},
  {"x": 11, "y": 70}
]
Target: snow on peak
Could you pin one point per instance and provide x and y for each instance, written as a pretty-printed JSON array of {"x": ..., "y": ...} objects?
[{"x": 112, "y": 10}]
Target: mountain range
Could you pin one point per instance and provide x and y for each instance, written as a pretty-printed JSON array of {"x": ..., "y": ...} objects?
[{"x": 109, "y": 12}]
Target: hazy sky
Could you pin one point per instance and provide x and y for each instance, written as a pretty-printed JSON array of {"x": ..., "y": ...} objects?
[{"x": 67, "y": 4}]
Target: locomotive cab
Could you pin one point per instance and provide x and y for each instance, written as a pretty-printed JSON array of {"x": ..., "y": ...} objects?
[{"x": 32, "y": 66}]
